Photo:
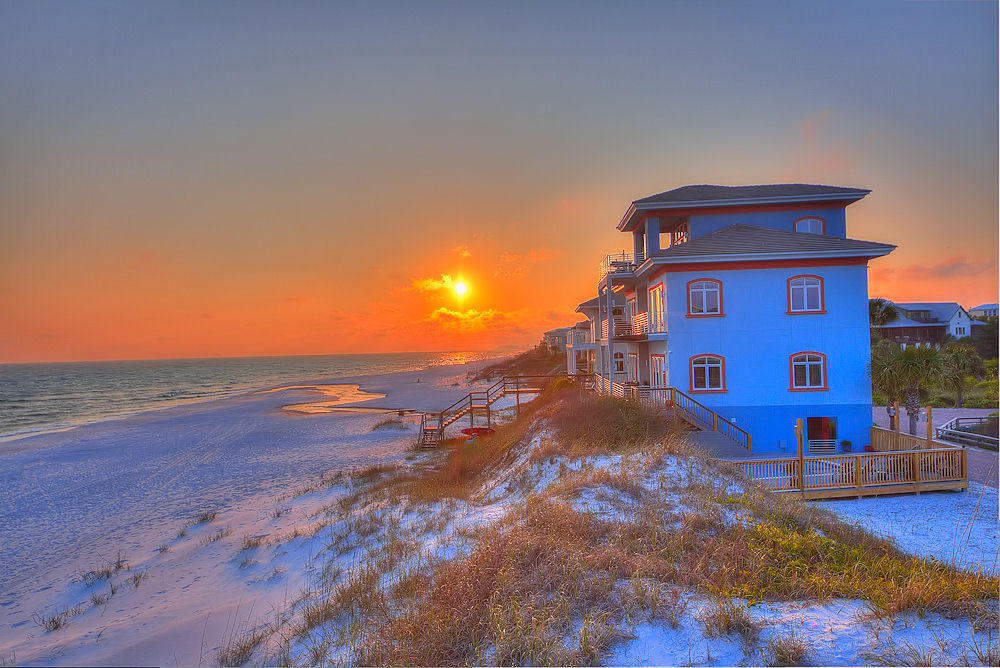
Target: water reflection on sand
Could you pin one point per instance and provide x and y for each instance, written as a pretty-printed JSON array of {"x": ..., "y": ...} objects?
[{"x": 334, "y": 396}]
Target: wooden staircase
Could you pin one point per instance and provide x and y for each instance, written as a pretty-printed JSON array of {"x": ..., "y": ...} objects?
[
  {"x": 480, "y": 403},
  {"x": 675, "y": 402}
]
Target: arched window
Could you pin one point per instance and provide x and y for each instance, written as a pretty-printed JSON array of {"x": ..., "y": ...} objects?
[
  {"x": 808, "y": 371},
  {"x": 811, "y": 225},
  {"x": 805, "y": 294},
  {"x": 708, "y": 373},
  {"x": 704, "y": 297}
]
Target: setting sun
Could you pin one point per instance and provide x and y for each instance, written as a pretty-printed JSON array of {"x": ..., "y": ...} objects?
[{"x": 460, "y": 289}]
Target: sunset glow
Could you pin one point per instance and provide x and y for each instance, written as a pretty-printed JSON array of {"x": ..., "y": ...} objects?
[{"x": 315, "y": 189}]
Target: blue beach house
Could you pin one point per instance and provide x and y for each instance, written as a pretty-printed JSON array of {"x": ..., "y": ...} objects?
[{"x": 748, "y": 303}]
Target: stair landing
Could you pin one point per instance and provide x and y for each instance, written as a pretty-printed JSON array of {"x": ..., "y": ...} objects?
[{"x": 718, "y": 445}]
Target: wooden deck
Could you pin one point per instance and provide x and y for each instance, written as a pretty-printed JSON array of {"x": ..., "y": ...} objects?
[{"x": 926, "y": 468}]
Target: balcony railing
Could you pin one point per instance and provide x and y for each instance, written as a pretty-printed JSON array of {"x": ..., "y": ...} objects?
[
  {"x": 637, "y": 326},
  {"x": 618, "y": 263},
  {"x": 579, "y": 336}
]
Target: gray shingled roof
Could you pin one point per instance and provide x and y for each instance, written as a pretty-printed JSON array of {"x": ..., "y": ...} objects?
[
  {"x": 941, "y": 311},
  {"x": 710, "y": 193},
  {"x": 751, "y": 239}
]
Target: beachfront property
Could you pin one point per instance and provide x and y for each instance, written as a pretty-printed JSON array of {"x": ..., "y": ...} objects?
[
  {"x": 984, "y": 311},
  {"x": 928, "y": 323},
  {"x": 554, "y": 340},
  {"x": 749, "y": 300}
]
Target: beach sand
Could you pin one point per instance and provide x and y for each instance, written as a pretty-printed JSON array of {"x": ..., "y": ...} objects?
[{"x": 70, "y": 501}]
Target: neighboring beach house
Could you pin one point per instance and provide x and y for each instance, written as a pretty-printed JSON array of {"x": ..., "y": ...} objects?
[
  {"x": 749, "y": 299},
  {"x": 928, "y": 323},
  {"x": 984, "y": 311},
  {"x": 580, "y": 347},
  {"x": 555, "y": 339}
]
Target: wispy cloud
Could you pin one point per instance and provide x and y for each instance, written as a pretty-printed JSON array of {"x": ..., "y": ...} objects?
[
  {"x": 953, "y": 267},
  {"x": 471, "y": 320},
  {"x": 446, "y": 282},
  {"x": 462, "y": 251}
]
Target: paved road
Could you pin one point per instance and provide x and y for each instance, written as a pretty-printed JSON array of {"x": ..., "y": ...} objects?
[{"x": 983, "y": 464}]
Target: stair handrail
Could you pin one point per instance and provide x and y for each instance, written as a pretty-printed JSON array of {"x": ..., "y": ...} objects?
[{"x": 720, "y": 423}]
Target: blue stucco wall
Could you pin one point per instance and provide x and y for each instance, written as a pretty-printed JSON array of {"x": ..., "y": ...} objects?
[
  {"x": 836, "y": 222},
  {"x": 756, "y": 337}
]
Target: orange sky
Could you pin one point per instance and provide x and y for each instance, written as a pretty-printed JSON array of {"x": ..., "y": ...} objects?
[{"x": 246, "y": 191}]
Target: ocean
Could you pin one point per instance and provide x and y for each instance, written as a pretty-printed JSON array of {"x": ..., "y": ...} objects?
[{"x": 36, "y": 398}]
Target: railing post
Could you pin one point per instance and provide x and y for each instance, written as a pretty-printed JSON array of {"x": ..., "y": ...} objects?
[
  {"x": 930, "y": 429},
  {"x": 857, "y": 473},
  {"x": 895, "y": 420},
  {"x": 916, "y": 469},
  {"x": 715, "y": 421},
  {"x": 802, "y": 460}
]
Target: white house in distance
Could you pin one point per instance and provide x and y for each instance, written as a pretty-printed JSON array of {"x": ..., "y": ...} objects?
[
  {"x": 984, "y": 311},
  {"x": 748, "y": 303},
  {"x": 927, "y": 323}
]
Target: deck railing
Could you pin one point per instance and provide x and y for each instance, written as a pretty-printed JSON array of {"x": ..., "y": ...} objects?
[
  {"x": 620, "y": 263},
  {"x": 887, "y": 440},
  {"x": 862, "y": 474},
  {"x": 964, "y": 430}
]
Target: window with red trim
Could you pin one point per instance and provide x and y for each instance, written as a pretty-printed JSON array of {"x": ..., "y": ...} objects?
[
  {"x": 805, "y": 294},
  {"x": 708, "y": 373},
  {"x": 808, "y": 371},
  {"x": 704, "y": 297}
]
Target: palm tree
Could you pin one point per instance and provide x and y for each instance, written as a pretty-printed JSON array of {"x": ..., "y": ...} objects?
[
  {"x": 905, "y": 372},
  {"x": 880, "y": 313},
  {"x": 960, "y": 362},
  {"x": 882, "y": 370}
]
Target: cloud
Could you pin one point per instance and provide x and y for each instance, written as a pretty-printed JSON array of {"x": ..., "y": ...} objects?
[
  {"x": 462, "y": 251},
  {"x": 543, "y": 254},
  {"x": 954, "y": 267},
  {"x": 446, "y": 282},
  {"x": 471, "y": 320},
  {"x": 510, "y": 257}
]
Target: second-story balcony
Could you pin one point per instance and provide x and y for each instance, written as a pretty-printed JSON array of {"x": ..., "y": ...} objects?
[
  {"x": 638, "y": 326},
  {"x": 620, "y": 263},
  {"x": 579, "y": 338}
]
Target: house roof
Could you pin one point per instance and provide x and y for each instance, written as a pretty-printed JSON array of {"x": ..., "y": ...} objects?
[
  {"x": 705, "y": 195},
  {"x": 594, "y": 303},
  {"x": 982, "y": 306},
  {"x": 938, "y": 310},
  {"x": 903, "y": 321},
  {"x": 558, "y": 330},
  {"x": 583, "y": 324},
  {"x": 713, "y": 193},
  {"x": 766, "y": 242}
]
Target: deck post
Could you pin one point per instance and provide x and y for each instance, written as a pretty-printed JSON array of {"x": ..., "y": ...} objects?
[
  {"x": 715, "y": 421},
  {"x": 857, "y": 473},
  {"x": 489, "y": 417},
  {"x": 916, "y": 470},
  {"x": 802, "y": 460},
  {"x": 517, "y": 396},
  {"x": 930, "y": 429},
  {"x": 895, "y": 421}
]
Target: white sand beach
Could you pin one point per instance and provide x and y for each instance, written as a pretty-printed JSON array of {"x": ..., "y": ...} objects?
[{"x": 72, "y": 501}]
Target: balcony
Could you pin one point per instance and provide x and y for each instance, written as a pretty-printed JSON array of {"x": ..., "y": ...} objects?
[
  {"x": 638, "y": 327},
  {"x": 620, "y": 263},
  {"x": 579, "y": 338}
]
